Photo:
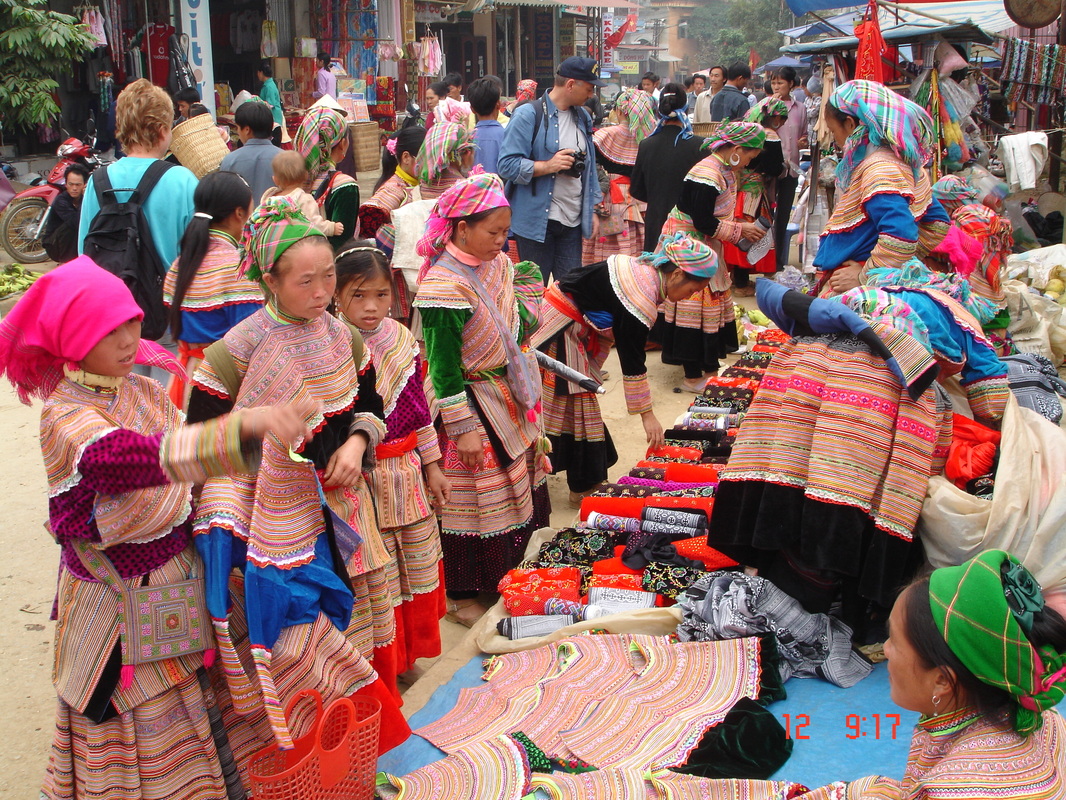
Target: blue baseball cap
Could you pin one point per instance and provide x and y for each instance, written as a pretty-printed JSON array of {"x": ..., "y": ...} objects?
[{"x": 581, "y": 69}]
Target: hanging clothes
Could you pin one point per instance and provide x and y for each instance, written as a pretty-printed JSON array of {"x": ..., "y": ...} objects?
[{"x": 155, "y": 44}]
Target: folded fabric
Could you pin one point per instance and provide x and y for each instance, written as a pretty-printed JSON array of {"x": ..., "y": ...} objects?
[
  {"x": 525, "y": 590},
  {"x": 751, "y": 743},
  {"x": 674, "y": 516},
  {"x": 630, "y": 582},
  {"x": 772, "y": 337},
  {"x": 670, "y": 579},
  {"x": 697, "y": 549},
  {"x": 534, "y": 625},
  {"x": 630, "y": 487},
  {"x": 692, "y": 473},
  {"x": 676, "y": 453},
  {"x": 972, "y": 452},
  {"x": 1035, "y": 383},
  {"x": 607, "y": 522},
  {"x": 620, "y": 599},
  {"x": 651, "y": 473}
]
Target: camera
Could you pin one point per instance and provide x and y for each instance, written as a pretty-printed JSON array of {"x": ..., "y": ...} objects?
[{"x": 578, "y": 168}]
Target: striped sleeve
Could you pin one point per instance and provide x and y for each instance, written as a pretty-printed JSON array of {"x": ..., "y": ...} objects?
[{"x": 194, "y": 453}]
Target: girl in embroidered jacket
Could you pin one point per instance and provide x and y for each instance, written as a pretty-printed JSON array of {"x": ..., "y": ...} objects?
[
  {"x": 121, "y": 468},
  {"x": 323, "y": 141},
  {"x": 611, "y": 303},
  {"x": 697, "y": 332},
  {"x": 302, "y": 527},
  {"x": 408, "y": 483},
  {"x": 397, "y": 185},
  {"x": 205, "y": 290},
  {"x": 476, "y": 305},
  {"x": 886, "y": 212},
  {"x": 977, "y": 651}
]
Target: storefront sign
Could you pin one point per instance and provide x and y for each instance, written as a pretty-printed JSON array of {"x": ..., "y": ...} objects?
[
  {"x": 629, "y": 67},
  {"x": 544, "y": 44},
  {"x": 196, "y": 24},
  {"x": 567, "y": 37},
  {"x": 607, "y": 59}
]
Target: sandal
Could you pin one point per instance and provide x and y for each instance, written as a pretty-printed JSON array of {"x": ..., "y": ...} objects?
[
  {"x": 455, "y": 612},
  {"x": 684, "y": 387}
]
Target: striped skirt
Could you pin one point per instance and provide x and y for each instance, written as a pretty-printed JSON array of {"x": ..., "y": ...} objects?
[{"x": 831, "y": 465}]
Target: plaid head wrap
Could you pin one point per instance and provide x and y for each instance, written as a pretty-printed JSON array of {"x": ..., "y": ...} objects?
[
  {"x": 479, "y": 193},
  {"x": 322, "y": 130},
  {"x": 690, "y": 255},
  {"x": 272, "y": 228},
  {"x": 637, "y": 107},
  {"x": 444, "y": 144},
  {"x": 62, "y": 316},
  {"x": 994, "y": 232},
  {"x": 527, "y": 90},
  {"x": 885, "y": 120},
  {"x": 984, "y": 610},
  {"x": 745, "y": 134},
  {"x": 767, "y": 107},
  {"x": 451, "y": 110},
  {"x": 953, "y": 192}
]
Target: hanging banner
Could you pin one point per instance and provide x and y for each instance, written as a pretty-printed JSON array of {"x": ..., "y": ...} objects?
[
  {"x": 196, "y": 24},
  {"x": 544, "y": 46},
  {"x": 607, "y": 58},
  {"x": 567, "y": 37}
]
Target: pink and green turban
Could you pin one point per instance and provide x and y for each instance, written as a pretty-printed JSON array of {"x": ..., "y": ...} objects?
[
  {"x": 322, "y": 129},
  {"x": 445, "y": 144},
  {"x": 766, "y": 108},
  {"x": 479, "y": 193},
  {"x": 689, "y": 255},
  {"x": 638, "y": 109},
  {"x": 272, "y": 228},
  {"x": 745, "y": 134}
]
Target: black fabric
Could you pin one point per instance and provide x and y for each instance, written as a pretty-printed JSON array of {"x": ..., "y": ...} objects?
[
  {"x": 119, "y": 239},
  {"x": 755, "y": 522},
  {"x": 693, "y": 349},
  {"x": 585, "y": 463},
  {"x": 749, "y": 743},
  {"x": 663, "y": 161},
  {"x": 698, "y": 200},
  {"x": 613, "y": 167},
  {"x": 770, "y": 162}
]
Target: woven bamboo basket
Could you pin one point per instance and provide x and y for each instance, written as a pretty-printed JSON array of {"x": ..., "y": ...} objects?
[
  {"x": 366, "y": 141},
  {"x": 197, "y": 145},
  {"x": 705, "y": 129}
]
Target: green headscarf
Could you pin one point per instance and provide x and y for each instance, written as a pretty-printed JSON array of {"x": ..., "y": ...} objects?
[
  {"x": 984, "y": 610},
  {"x": 272, "y": 228},
  {"x": 322, "y": 129},
  {"x": 745, "y": 134},
  {"x": 766, "y": 108}
]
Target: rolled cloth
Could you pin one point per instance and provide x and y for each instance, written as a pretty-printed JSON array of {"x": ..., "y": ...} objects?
[
  {"x": 984, "y": 610},
  {"x": 62, "y": 316}
]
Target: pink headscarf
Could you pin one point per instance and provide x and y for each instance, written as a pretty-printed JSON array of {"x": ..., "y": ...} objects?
[
  {"x": 450, "y": 110},
  {"x": 478, "y": 193},
  {"x": 526, "y": 90},
  {"x": 63, "y": 316}
]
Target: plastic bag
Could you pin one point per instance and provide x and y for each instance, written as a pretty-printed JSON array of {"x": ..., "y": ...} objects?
[{"x": 1026, "y": 514}]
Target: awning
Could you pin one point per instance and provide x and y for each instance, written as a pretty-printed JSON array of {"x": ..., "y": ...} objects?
[
  {"x": 568, "y": 5},
  {"x": 987, "y": 14},
  {"x": 909, "y": 32},
  {"x": 845, "y": 22},
  {"x": 783, "y": 61}
]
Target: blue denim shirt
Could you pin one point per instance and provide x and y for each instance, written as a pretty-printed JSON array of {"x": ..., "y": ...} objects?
[{"x": 529, "y": 209}]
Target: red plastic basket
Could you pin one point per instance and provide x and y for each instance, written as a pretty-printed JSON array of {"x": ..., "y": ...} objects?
[{"x": 335, "y": 760}]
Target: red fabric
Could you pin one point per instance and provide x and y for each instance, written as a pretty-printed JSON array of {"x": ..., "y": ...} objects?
[
  {"x": 419, "y": 622},
  {"x": 679, "y": 453},
  {"x": 696, "y": 548},
  {"x": 397, "y": 447},
  {"x": 692, "y": 473},
  {"x": 525, "y": 590},
  {"x": 389, "y": 662},
  {"x": 632, "y": 506},
  {"x": 156, "y": 47},
  {"x": 614, "y": 566},
  {"x": 735, "y": 257},
  {"x": 617, "y": 182},
  {"x": 609, "y": 580},
  {"x": 972, "y": 452},
  {"x": 872, "y": 47},
  {"x": 177, "y": 385},
  {"x": 394, "y": 728}
]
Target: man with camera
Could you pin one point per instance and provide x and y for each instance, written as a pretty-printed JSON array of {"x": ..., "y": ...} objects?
[{"x": 548, "y": 161}]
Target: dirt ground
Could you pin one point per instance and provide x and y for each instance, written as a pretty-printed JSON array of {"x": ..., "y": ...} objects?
[{"x": 30, "y": 559}]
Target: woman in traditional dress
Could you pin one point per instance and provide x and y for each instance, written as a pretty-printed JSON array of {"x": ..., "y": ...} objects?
[
  {"x": 446, "y": 156},
  {"x": 616, "y": 151},
  {"x": 613, "y": 302},
  {"x": 121, "y": 468},
  {"x": 663, "y": 161},
  {"x": 205, "y": 290},
  {"x": 407, "y": 484},
  {"x": 886, "y": 212},
  {"x": 476, "y": 307},
  {"x": 829, "y": 471},
  {"x": 292, "y": 526},
  {"x": 980, "y": 655},
  {"x": 323, "y": 141},
  {"x": 756, "y": 192},
  {"x": 397, "y": 185},
  {"x": 697, "y": 332}
]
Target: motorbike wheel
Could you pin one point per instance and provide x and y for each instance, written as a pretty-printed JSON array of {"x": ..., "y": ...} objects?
[{"x": 17, "y": 229}]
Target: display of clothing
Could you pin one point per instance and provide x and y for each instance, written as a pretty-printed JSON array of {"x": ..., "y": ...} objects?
[{"x": 155, "y": 43}]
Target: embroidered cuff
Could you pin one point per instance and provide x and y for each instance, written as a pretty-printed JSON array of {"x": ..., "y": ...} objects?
[
  {"x": 728, "y": 231},
  {"x": 638, "y": 393},
  {"x": 930, "y": 234},
  {"x": 890, "y": 252},
  {"x": 194, "y": 453},
  {"x": 428, "y": 445},
  {"x": 374, "y": 429},
  {"x": 457, "y": 416},
  {"x": 988, "y": 397}
]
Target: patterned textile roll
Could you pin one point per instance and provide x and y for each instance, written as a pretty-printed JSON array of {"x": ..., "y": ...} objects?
[
  {"x": 534, "y": 625},
  {"x": 673, "y": 516},
  {"x": 607, "y": 522}
]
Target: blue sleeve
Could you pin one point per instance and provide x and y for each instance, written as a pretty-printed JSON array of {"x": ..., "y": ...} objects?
[
  {"x": 891, "y": 215},
  {"x": 89, "y": 209},
  {"x": 935, "y": 213},
  {"x": 515, "y": 163},
  {"x": 170, "y": 219}
]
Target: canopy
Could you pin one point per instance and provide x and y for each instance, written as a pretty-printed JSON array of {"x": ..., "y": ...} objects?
[
  {"x": 987, "y": 14},
  {"x": 784, "y": 61},
  {"x": 910, "y": 32},
  {"x": 843, "y": 22}
]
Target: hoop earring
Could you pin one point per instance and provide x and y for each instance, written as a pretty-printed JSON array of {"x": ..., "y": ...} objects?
[
  {"x": 936, "y": 701},
  {"x": 734, "y": 160}
]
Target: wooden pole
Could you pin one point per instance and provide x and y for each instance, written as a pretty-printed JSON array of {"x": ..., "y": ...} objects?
[{"x": 1055, "y": 140}]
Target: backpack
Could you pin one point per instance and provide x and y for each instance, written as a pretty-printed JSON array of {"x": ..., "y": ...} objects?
[{"x": 120, "y": 240}]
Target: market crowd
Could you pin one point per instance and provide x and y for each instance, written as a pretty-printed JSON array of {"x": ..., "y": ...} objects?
[{"x": 293, "y": 428}]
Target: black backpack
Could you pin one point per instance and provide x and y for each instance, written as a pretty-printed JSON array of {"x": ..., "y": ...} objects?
[{"x": 120, "y": 240}]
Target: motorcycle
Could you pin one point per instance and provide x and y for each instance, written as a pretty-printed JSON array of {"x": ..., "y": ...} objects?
[
  {"x": 26, "y": 215},
  {"x": 414, "y": 115}
]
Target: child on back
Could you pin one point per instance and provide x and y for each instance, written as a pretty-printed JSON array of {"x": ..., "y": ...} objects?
[{"x": 290, "y": 176}]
